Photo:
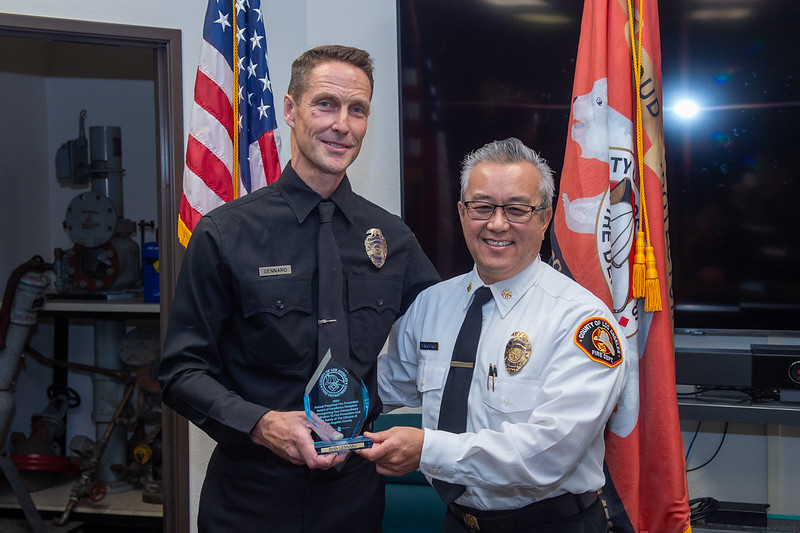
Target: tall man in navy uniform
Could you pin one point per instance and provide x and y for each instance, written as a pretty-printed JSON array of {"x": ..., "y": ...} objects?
[
  {"x": 242, "y": 338},
  {"x": 547, "y": 371}
]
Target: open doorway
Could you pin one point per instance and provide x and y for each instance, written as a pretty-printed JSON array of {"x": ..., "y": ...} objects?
[{"x": 45, "y": 62}]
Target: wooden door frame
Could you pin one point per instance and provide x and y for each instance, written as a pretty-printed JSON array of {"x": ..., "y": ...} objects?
[{"x": 168, "y": 81}]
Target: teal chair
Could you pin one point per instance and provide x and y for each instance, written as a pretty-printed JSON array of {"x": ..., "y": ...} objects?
[{"x": 412, "y": 505}]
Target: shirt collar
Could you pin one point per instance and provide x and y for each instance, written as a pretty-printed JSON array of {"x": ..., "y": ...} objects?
[
  {"x": 302, "y": 199},
  {"x": 508, "y": 292}
]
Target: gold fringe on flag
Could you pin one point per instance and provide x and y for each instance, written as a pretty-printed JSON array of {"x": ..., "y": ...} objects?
[
  {"x": 184, "y": 234},
  {"x": 652, "y": 289},
  {"x": 645, "y": 274},
  {"x": 638, "y": 266}
]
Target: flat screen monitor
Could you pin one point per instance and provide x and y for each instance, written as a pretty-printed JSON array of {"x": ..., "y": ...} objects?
[{"x": 477, "y": 70}]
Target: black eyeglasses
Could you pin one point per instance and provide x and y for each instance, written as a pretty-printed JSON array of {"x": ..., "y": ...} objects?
[{"x": 516, "y": 213}]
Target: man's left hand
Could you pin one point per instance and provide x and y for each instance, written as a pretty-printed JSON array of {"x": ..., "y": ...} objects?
[{"x": 395, "y": 451}]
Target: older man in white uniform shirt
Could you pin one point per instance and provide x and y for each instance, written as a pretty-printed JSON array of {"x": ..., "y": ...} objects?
[{"x": 549, "y": 368}]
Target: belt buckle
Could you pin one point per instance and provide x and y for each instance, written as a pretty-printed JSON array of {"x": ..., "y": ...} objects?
[{"x": 472, "y": 523}]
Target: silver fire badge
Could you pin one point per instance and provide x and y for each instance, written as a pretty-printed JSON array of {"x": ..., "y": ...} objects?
[{"x": 376, "y": 248}]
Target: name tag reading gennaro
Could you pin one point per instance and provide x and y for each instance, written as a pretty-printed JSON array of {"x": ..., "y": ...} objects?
[{"x": 278, "y": 270}]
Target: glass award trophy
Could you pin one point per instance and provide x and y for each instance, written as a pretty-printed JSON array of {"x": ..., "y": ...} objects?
[{"x": 336, "y": 404}]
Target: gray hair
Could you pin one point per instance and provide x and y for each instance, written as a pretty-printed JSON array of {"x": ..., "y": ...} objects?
[{"x": 507, "y": 152}]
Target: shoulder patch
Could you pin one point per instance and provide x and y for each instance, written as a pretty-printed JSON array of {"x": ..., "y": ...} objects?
[{"x": 597, "y": 338}]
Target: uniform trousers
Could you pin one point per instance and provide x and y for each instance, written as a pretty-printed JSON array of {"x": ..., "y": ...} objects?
[{"x": 269, "y": 495}]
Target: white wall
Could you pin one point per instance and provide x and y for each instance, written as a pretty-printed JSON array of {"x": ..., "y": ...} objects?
[
  {"x": 23, "y": 170},
  {"x": 294, "y": 26}
]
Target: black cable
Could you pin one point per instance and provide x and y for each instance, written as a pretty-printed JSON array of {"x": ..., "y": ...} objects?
[
  {"x": 719, "y": 447},
  {"x": 700, "y": 508}
]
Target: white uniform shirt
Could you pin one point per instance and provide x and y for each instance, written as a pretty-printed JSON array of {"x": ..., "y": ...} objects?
[{"x": 532, "y": 434}]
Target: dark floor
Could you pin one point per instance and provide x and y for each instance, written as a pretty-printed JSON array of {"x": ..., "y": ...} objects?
[
  {"x": 774, "y": 525},
  {"x": 78, "y": 523},
  {"x": 106, "y": 524}
]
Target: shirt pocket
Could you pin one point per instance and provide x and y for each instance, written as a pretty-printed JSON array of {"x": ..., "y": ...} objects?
[
  {"x": 513, "y": 399},
  {"x": 431, "y": 377},
  {"x": 374, "y": 304},
  {"x": 280, "y": 329}
]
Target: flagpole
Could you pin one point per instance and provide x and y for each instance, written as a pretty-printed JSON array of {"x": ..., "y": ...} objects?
[{"x": 235, "y": 98}]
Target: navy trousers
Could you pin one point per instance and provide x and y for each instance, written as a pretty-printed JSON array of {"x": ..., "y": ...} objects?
[{"x": 272, "y": 496}]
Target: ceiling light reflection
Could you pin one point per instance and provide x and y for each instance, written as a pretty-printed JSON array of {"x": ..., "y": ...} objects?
[{"x": 686, "y": 108}]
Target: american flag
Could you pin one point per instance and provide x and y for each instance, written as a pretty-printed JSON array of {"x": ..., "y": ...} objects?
[{"x": 212, "y": 176}]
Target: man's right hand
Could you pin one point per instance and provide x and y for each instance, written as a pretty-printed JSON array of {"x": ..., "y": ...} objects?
[
  {"x": 395, "y": 451},
  {"x": 288, "y": 435}
]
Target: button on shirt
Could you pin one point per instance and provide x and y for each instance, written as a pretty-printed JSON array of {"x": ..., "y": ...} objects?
[{"x": 533, "y": 434}]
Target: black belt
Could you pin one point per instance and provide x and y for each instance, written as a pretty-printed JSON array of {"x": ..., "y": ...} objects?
[{"x": 537, "y": 513}]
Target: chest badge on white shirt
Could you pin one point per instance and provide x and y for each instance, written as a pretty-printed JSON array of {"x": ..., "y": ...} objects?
[
  {"x": 375, "y": 245},
  {"x": 518, "y": 352}
]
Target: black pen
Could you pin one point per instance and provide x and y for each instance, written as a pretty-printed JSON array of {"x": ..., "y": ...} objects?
[{"x": 492, "y": 374}]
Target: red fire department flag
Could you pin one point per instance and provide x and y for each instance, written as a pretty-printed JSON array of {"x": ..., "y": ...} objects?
[{"x": 596, "y": 221}]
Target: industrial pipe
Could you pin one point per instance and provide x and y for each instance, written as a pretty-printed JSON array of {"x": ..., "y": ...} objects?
[{"x": 28, "y": 292}]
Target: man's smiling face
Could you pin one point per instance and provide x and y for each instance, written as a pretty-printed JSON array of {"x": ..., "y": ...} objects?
[
  {"x": 502, "y": 249},
  {"x": 329, "y": 122}
]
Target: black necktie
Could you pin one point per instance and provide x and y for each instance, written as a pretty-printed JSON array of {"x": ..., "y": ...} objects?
[
  {"x": 453, "y": 410},
  {"x": 331, "y": 319}
]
